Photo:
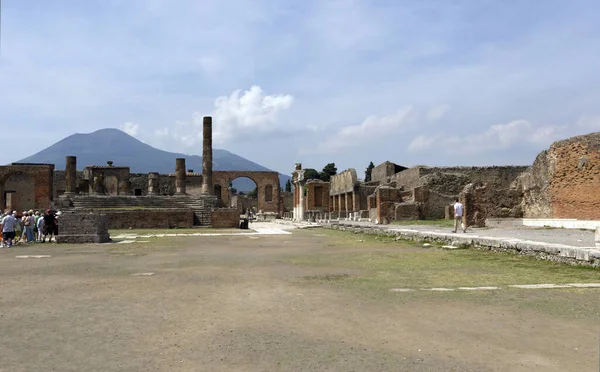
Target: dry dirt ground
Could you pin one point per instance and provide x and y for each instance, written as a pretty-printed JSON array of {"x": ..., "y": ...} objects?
[{"x": 314, "y": 300}]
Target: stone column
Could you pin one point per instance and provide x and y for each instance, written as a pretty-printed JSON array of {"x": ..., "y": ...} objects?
[
  {"x": 71, "y": 175},
  {"x": 153, "y": 184},
  {"x": 207, "y": 181},
  {"x": 355, "y": 206},
  {"x": 180, "y": 176},
  {"x": 301, "y": 203},
  {"x": 346, "y": 202}
]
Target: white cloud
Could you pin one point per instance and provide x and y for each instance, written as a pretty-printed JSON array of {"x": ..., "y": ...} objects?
[
  {"x": 251, "y": 111},
  {"x": 589, "y": 122},
  {"x": 130, "y": 128},
  {"x": 235, "y": 117},
  {"x": 498, "y": 136},
  {"x": 437, "y": 113},
  {"x": 360, "y": 134}
]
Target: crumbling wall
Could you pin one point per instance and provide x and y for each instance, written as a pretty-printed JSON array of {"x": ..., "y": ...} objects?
[
  {"x": 225, "y": 217},
  {"x": 149, "y": 219},
  {"x": 534, "y": 185},
  {"x": 343, "y": 182},
  {"x": 385, "y": 171},
  {"x": 408, "y": 179}
]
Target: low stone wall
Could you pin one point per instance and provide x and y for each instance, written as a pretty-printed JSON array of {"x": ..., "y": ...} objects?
[
  {"x": 557, "y": 223},
  {"x": 544, "y": 251},
  {"x": 82, "y": 228},
  {"x": 225, "y": 217},
  {"x": 149, "y": 218}
]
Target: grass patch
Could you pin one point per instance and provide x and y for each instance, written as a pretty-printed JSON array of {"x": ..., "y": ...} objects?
[
  {"x": 425, "y": 268},
  {"x": 440, "y": 223},
  {"x": 187, "y": 231}
]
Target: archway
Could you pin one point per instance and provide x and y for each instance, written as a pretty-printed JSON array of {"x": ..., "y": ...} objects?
[
  {"x": 266, "y": 183},
  {"x": 243, "y": 194}
]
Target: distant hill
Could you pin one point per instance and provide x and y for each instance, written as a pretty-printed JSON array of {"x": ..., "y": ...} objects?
[{"x": 113, "y": 144}]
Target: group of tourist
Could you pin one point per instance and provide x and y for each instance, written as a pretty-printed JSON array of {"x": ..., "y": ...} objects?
[{"x": 28, "y": 227}]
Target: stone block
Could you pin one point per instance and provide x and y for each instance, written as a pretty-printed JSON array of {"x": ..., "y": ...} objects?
[
  {"x": 83, "y": 228},
  {"x": 225, "y": 217}
]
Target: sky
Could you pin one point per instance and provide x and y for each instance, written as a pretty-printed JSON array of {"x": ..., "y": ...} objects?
[{"x": 428, "y": 82}]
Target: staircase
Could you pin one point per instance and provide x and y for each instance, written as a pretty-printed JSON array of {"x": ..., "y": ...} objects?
[{"x": 202, "y": 206}]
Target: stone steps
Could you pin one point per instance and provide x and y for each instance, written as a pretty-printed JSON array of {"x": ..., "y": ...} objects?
[{"x": 202, "y": 206}]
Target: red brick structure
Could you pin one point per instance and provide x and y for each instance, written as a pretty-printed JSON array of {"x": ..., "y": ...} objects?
[
  {"x": 267, "y": 184},
  {"x": 225, "y": 217},
  {"x": 564, "y": 181},
  {"x": 317, "y": 196},
  {"x": 26, "y": 186}
]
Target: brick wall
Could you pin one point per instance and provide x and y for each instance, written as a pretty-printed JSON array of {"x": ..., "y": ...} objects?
[
  {"x": 575, "y": 185},
  {"x": 225, "y": 217},
  {"x": 149, "y": 219}
]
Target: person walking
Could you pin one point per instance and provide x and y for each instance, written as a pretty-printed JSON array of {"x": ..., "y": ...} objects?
[
  {"x": 8, "y": 229},
  {"x": 458, "y": 216}
]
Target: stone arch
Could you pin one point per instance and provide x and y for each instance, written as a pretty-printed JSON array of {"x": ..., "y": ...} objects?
[{"x": 260, "y": 178}]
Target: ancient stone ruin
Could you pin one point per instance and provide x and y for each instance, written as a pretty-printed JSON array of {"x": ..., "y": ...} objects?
[
  {"x": 121, "y": 199},
  {"x": 563, "y": 182}
]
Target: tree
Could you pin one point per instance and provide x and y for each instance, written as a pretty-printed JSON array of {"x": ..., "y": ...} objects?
[
  {"x": 288, "y": 186},
  {"x": 232, "y": 190},
  {"x": 368, "y": 172},
  {"x": 328, "y": 171},
  {"x": 311, "y": 174},
  {"x": 253, "y": 193}
]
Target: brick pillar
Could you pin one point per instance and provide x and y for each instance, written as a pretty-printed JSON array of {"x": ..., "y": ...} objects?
[
  {"x": 71, "y": 175},
  {"x": 180, "y": 176},
  {"x": 207, "y": 156},
  {"x": 153, "y": 183}
]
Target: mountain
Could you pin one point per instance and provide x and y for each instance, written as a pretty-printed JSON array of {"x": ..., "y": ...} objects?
[{"x": 113, "y": 144}]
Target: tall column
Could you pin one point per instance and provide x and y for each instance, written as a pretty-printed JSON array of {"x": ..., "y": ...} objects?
[
  {"x": 71, "y": 175},
  {"x": 153, "y": 184},
  {"x": 207, "y": 162},
  {"x": 355, "y": 200},
  {"x": 180, "y": 176},
  {"x": 301, "y": 202}
]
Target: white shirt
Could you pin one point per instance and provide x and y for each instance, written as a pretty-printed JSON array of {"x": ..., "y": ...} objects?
[
  {"x": 8, "y": 223},
  {"x": 458, "y": 209}
]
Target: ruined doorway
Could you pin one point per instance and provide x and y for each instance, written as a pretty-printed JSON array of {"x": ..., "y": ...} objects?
[{"x": 19, "y": 192}]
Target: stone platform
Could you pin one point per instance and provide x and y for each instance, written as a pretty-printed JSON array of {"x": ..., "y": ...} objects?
[{"x": 81, "y": 228}]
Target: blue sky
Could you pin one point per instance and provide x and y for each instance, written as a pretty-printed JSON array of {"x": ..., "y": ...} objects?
[{"x": 415, "y": 82}]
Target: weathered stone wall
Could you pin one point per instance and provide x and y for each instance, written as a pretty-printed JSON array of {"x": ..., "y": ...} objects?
[
  {"x": 575, "y": 186},
  {"x": 149, "y": 218},
  {"x": 83, "y": 228},
  {"x": 317, "y": 195},
  {"x": 534, "y": 184},
  {"x": 363, "y": 194},
  {"x": 343, "y": 182},
  {"x": 385, "y": 171},
  {"x": 407, "y": 211},
  {"x": 500, "y": 177},
  {"x": 35, "y": 182},
  {"x": 115, "y": 179},
  {"x": 407, "y": 179},
  {"x": 225, "y": 217}
]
